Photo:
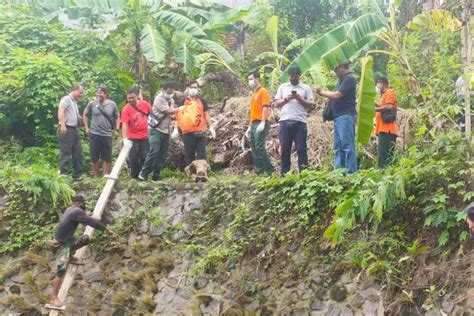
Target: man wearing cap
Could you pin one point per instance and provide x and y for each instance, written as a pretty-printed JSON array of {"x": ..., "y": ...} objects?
[
  {"x": 70, "y": 122},
  {"x": 343, "y": 107},
  {"x": 104, "y": 125},
  {"x": 386, "y": 127},
  {"x": 294, "y": 99},
  {"x": 65, "y": 245}
]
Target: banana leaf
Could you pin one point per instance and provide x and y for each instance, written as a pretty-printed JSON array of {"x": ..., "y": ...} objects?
[
  {"x": 217, "y": 49},
  {"x": 185, "y": 57},
  {"x": 342, "y": 53},
  {"x": 365, "y": 101},
  {"x": 337, "y": 40},
  {"x": 152, "y": 44},
  {"x": 179, "y": 22},
  {"x": 272, "y": 31}
]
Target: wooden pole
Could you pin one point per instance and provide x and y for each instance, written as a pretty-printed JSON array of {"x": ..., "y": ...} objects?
[{"x": 99, "y": 208}]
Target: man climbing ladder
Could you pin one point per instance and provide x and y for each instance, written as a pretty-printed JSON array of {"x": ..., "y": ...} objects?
[{"x": 65, "y": 245}]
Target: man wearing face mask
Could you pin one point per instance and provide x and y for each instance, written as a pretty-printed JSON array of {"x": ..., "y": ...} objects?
[
  {"x": 258, "y": 128},
  {"x": 163, "y": 107},
  {"x": 294, "y": 99},
  {"x": 194, "y": 139},
  {"x": 386, "y": 127},
  {"x": 343, "y": 107}
]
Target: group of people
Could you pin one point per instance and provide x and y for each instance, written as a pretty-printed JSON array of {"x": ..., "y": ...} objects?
[{"x": 148, "y": 128}]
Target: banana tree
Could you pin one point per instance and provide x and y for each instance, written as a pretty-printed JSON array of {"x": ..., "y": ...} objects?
[{"x": 151, "y": 25}]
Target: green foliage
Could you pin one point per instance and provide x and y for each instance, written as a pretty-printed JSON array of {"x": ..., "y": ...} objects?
[
  {"x": 365, "y": 101},
  {"x": 36, "y": 196}
]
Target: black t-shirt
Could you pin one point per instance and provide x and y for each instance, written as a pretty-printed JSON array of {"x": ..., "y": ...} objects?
[
  {"x": 347, "y": 86},
  {"x": 71, "y": 219},
  {"x": 204, "y": 103}
]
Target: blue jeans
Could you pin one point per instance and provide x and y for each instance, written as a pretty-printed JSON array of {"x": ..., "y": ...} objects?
[
  {"x": 297, "y": 132},
  {"x": 345, "y": 154}
]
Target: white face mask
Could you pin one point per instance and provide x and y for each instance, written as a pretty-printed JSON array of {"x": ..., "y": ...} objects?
[
  {"x": 169, "y": 95},
  {"x": 252, "y": 84},
  {"x": 193, "y": 92},
  {"x": 377, "y": 89}
]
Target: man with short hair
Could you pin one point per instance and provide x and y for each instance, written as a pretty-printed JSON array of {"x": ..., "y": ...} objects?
[
  {"x": 65, "y": 245},
  {"x": 386, "y": 127},
  {"x": 194, "y": 139},
  {"x": 68, "y": 133},
  {"x": 343, "y": 107},
  {"x": 163, "y": 107},
  {"x": 135, "y": 130},
  {"x": 294, "y": 99},
  {"x": 104, "y": 125},
  {"x": 258, "y": 128}
]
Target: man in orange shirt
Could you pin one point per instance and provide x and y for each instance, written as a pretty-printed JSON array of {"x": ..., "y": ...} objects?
[
  {"x": 258, "y": 127},
  {"x": 386, "y": 127}
]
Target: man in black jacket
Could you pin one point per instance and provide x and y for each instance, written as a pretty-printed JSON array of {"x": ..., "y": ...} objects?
[{"x": 64, "y": 243}]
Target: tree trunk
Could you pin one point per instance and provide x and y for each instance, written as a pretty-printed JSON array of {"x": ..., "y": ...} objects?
[
  {"x": 224, "y": 76},
  {"x": 466, "y": 63}
]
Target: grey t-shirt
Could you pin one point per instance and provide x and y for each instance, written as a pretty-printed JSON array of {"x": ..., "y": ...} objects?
[
  {"x": 100, "y": 125},
  {"x": 294, "y": 110},
  {"x": 160, "y": 104},
  {"x": 71, "y": 111}
]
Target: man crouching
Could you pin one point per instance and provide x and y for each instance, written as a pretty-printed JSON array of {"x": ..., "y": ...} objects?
[{"x": 65, "y": 245}]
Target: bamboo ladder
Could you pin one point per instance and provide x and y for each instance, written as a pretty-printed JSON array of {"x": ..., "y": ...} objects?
[{"x": 99, "y": 208}]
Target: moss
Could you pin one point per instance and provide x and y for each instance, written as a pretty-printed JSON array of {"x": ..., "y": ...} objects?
[
  {"x": 30, "y": 257},
  {"x": 16, "y": 300},
  {"x": 146, "y": 303},
  {"x": 122, "y": 299},
  {"x": 8, "y": 271}
]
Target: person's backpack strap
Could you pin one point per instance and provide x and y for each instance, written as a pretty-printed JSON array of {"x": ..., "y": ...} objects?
[
  {"x": 111, "y": 121},
  {"x": 136, "y": 108}
]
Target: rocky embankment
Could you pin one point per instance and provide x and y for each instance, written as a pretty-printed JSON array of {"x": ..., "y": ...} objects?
[{"x": 154, "y": 269}]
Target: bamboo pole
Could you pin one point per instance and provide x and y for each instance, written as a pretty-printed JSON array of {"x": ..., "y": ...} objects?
[{"x": 99, "y": 208}]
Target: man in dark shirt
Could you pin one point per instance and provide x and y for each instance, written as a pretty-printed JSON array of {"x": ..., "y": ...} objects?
[
  {"x": 343, "y": 107},
  {"x": 470, "y": 219},
  {"x": 64, "y": 243}
]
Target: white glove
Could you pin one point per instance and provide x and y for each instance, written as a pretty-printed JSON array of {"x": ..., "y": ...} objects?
[
  {"x": 261, "y": 127},
  {"x": 247, "y": 132},
  {"x": 213, "y": 132},
  {"x": 127, "y": 142},
  {"x": 175, "y": 134}
]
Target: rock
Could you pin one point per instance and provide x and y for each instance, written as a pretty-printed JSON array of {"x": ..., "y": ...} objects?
[
  {"x": 447, "y": 306},
  {"x": 253, "y": 307},
  {"x": 261, "y": 276},
  {"x": 197, "y": 170},
  {"x": 200, "y": 283},
  {"x": 470, "y": 302},
  {"x": 17, "y": 279},
  {"x": 300, "y": 312},
  {"x": 79, "y": 301},
  {"x": 127, "y": 254},
  {"x": 184, "y": 293},
  {"x": 369, "y": 308},
  {"x": 346, "y": 311},
  {"x": 15, "y": 289},
  {"x": 356, "y": 300},
  {"x": 118, "y": 312},
  {"x": 294, "y": 297},
  {"x": 371, "y": 294},
  {"x": 157, "y": 230},
  {"x": 333, "y": 310},
  {"x": 316, "y": 306},
  {"x": 433, "y": 312},
  {"x": 338, "y": 293},
  {"x": 289, "y": 283},
  {"x": 294, "y": 246},
  {"x": 346, "y": 278},
  {"x": 307, "y": 294},
  {"x": 143, "y": 227},
  {"x": 94, "y": 276}
]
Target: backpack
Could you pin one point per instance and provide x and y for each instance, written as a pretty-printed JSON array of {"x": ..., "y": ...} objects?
[{"x": 189, "y": 118}]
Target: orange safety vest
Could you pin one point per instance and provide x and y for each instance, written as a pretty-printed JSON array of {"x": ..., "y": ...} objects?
[{"x": 191, "y": 117}]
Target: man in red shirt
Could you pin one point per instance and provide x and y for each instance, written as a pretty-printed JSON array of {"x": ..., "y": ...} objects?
[{"x": 135, "y": 129}]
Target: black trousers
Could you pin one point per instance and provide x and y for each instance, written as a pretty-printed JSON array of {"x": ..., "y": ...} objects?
[
  {"x": 386, "y": 148},
  {"x": 71, "y": 150},
  {"x": 137, "y": 156},
  {"x": 194, "y": 146}
]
